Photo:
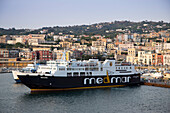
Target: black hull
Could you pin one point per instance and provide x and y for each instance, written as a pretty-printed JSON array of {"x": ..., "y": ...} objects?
[{"x": 51, "y": 83}]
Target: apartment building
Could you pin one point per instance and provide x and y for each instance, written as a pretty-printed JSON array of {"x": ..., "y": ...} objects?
[
  {"x": 132, "y": 56},
  {"x": 98, "y": 43},
  {"x": 66, "y": 44},
  {"x": 110, "y": 46},
  {"x": 166, "y": 59},
  {"x": 42, "y": 55},
  {"x": 59, "y": 54},
  {"x": 126, "y": 46},
  {"x": 4, "y": 39}
]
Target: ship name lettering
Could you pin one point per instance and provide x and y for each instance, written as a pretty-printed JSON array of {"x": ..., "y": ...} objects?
[{"x": 101, "y": 80}]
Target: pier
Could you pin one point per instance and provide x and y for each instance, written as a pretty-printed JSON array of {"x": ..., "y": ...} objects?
[{"x": 157, "y": 83}]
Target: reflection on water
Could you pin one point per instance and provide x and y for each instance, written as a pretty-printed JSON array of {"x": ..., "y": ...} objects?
[{"x": 140, "y": 99}]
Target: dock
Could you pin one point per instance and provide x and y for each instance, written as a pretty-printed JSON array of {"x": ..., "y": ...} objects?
[{"x": 157, "y": 83}]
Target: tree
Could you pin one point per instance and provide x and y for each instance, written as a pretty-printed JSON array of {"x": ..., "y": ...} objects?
[
  {"x": 57, "y": 42},
  {"x": 52, "y": 48},
  {"x": 19, "y": 45},
  {"x": 94, "y": 39}
]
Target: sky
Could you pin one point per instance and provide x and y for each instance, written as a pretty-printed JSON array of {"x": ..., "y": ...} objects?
[{"x": 33, "y": 14}]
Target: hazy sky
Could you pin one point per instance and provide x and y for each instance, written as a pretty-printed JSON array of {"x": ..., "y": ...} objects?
[{"x": 39, "y": 13}]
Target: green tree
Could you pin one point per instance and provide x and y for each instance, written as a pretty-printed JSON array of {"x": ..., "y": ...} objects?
[
  {"x": 52, "y": 48},
  {"x": 19, "y": 45}
]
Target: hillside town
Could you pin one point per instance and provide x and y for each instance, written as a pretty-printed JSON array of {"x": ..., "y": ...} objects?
[
  {"x": 149, "y": 49},
  {"x": 139, "y": 49}
]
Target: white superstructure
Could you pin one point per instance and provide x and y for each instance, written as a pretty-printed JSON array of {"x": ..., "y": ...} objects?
[{"x": 89, "y": 67}]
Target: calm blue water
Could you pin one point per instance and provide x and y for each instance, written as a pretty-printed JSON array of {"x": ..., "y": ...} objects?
[{"x": 16, "y": 98}]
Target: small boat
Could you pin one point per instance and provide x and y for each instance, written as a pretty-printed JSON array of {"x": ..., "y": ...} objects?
[
  {"x": 156, "y": 74},
  {"x": 29, "y": 68}
]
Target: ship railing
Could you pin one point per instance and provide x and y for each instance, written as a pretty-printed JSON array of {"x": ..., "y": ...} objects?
[
  {"x": 120, "y": 63},
  {"x": 74, "y": 69},
  {"x": 83, "y": 64},
  {"x": 92, "y": 69}
]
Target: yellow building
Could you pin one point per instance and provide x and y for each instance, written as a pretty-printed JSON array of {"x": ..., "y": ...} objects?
[
  {"x": 59, "y": 54},
  {"x": 132, "y": 56},
  {"x": 153, "y": 44},
  {"x": 132, "y": 52},
  {"x": 98, "y": 43},
  {"x": 110, "y": 46},
  {"x": 37, "y": 36},
  {"x": 65, "y": 44},
  {"x": 132, "y": 59},
  {"x": 76, "y": 44},
  {"x": 12, "y": 62}
]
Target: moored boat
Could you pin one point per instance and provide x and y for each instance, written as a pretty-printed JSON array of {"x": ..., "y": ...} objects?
[
  {"x": 15, "y": 73},
  {"x": 68, "y": 75},
  {"x": 29, "y": 68}
]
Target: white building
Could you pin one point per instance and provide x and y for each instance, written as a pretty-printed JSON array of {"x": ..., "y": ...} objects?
[
  {"x": 20, "y": 40},
  {"x": 11, "y": 42},
  {"x": 166, "y": 45},
  {"x": 141, "y": 57},
  {"x": 58, "y": 37},
  {"x": 158, "y": 47},
  {"x": 148, "y": 58},
  {"x": 166, "y": 59},
  {"x": 126, "y": 46}
]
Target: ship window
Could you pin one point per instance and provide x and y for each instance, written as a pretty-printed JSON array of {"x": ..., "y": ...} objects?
[
  {"x": 47, "y": 72},
  {"x": 75, "y": 74},
  {"x": 69, "y": 74},
  {"x": 90, "y": 73},
  {"x": 82, "y": 73},
  {"x": 119, "y": 67},
  {"x": 126, "y": 67},
  {"x": 101, "y": 69},
  {"x": 86, "y": 69},
  {"x": 68, "y": 68},
  {"x": 130, "y": 68},
  {"x": 62, "y": 69},
  {"x": 87, "y": 73}
]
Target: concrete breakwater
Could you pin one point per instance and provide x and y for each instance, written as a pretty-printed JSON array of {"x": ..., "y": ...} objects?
[{"x": 157, "y": 83}]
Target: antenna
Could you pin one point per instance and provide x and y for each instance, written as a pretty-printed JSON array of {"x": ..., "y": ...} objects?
[
  {"x": 63, "y": 58},
  {"x": 35, "y": 59}
]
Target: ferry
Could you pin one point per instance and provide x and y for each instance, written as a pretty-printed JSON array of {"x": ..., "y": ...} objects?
[{"x": 73, "y": 74}]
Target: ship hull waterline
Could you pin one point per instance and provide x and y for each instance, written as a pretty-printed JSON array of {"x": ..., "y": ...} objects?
[{"x": 54, "y": 83}]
